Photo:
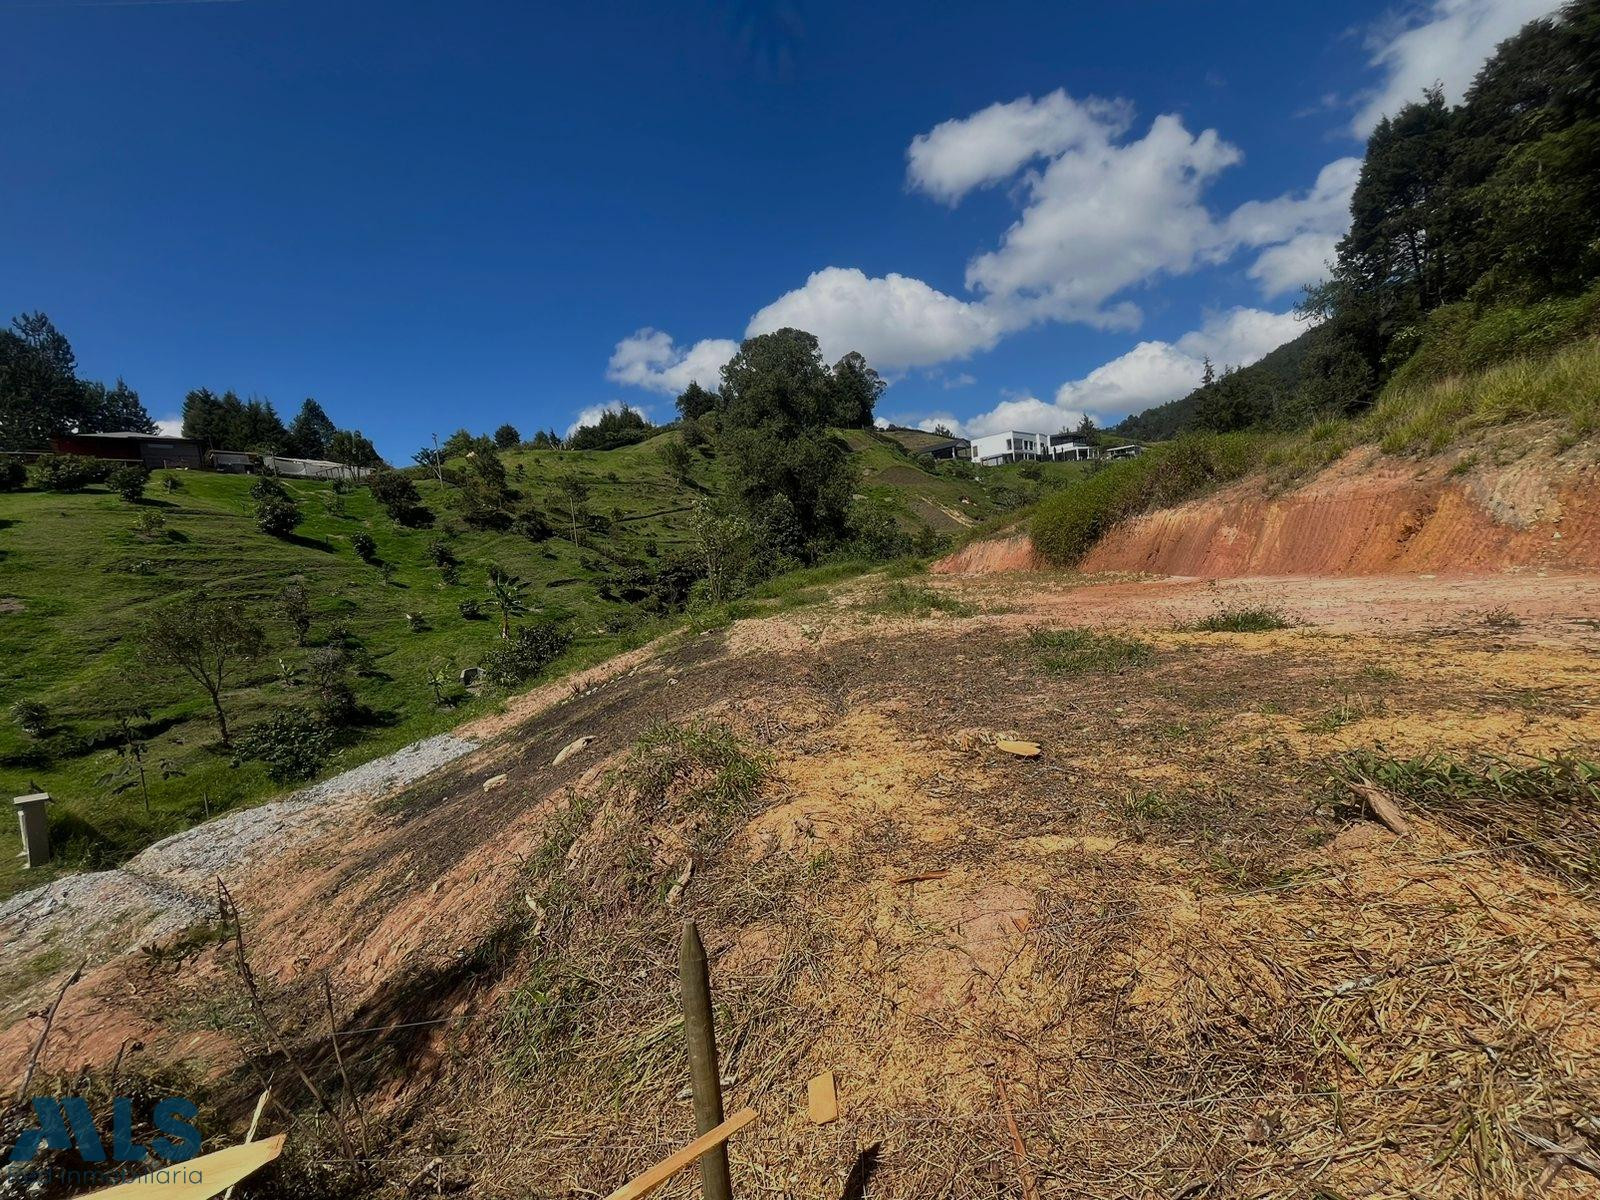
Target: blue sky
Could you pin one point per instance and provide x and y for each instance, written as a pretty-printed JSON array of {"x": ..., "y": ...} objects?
[{"x": 434, "y": 215}]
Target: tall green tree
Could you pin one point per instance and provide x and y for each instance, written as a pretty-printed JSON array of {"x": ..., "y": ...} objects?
[
  {"x": 856, "y": 388},
  {"x": 791, "y": 478},
  {"x": 39, "y": 391},
  {"x": 310, "y": 432},
  {"x": 113, "y": 410},
  {"x": 777, "y": 380},
  {"x": 695, "y": 402},
  {"x": 354, "y": 449}
]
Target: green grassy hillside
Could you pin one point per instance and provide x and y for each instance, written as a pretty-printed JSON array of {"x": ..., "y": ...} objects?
[{"x": 77, "y": 577}]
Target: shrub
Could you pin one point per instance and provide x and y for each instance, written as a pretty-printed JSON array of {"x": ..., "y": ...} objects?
[
  {"x": 1070, "y": 521},
  {"x": 470, "y": 610},
  {"x": 129, "y": 481},
  {"x": 1460, "y": 339},
  {"x": 694, "y": 436},
  {"x": 1562, "y": 386},
  {"x": 440, "y": 554},
  {"x": 171, "y": 483},
  {"x": 366, "y": 549},
  {"x": 32, "y": 717},
  {"x": 294, "y": 744},
  {"x": 330, "y": 676},
  {"x": 398, "y": 496},
  {"x": 13, "y": 475},
  {"x": 914, "y": 600},
  {"x": 533, "y": 525},
  {"x": 267, "y": 488},
  {"x": 151, "y": 524},
  {"x": 525, "y": 653},
  {"x": 874, "y": 533},
  {"x": 294, "y": 606},
  {"x": 277, "y": 517},
  {"x": 68, "y": 472}
]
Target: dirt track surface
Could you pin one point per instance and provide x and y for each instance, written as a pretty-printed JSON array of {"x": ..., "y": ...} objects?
[{"x": 1175, "y": 936}]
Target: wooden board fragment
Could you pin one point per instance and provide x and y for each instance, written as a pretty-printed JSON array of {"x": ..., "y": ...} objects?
[
  {"x": 643, "y": 1185},
  {"x": 1020, "y": 749},
  {"x": 571, "y": 748},
  {"x": 822, "y": 1098},
  {"x": 199, "y": 1178},
  {"x": 1382, "y": 805}
]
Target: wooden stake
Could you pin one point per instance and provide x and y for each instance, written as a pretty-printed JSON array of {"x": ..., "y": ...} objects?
[
  {"x": 702, "y": 1148},
  {"x": 700, "y": 1033}
]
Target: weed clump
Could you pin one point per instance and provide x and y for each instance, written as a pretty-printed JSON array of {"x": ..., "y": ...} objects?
[
  {"x": 916, "y": 600},
  {"x": 601, "y": 889},
  {"x": 1255, "y": 618},
  {"x": 1076, "y": 651},
  {"x": 1544, "y": 810}
]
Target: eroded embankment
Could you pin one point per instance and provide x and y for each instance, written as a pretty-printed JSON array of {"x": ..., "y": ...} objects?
[{"x": 1367, "y": 514}]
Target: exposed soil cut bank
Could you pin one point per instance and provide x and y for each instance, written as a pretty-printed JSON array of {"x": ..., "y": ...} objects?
[
  {"x": 1362, "y": 517},
  {"x": 1367, "y": 514},
  {"x": 1013, "y": 552}
]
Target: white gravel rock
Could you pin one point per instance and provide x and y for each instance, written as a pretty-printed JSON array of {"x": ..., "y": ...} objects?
[{"x": 168, "y": 886}]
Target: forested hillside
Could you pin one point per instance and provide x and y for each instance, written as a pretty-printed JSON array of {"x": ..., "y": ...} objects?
[{"x": 1474, "y": 238}]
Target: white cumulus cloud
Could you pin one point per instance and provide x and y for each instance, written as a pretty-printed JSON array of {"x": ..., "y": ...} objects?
[
  {"x": 1443, "y": 42},
  {"x": 1300, "y": 230},
  {"x": 170, "y": 426},
  {"x": 1101, "y": 216},
  {"x": 992, "y": 144},
  {"x": 651, "y": 360},
  {"x": 895, "y": 320},
  {"x": 1151, "y": 373}
]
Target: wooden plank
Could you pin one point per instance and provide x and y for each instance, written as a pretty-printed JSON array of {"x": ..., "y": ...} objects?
[
  {"x": 199, "y": 1178},
  {"x": 643, "y": 1185},
  {"x": 822, "y": 1098},
  {"x": 1020, "y": 749}
]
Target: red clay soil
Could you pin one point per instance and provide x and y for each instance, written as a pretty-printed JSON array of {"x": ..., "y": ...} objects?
[
  {"x": 1014, "y": 552},
  {"x": 1365, "y": 515}
]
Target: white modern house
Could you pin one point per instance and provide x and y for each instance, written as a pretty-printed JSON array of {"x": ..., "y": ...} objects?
[
  {"x": 1011, "y": 446},
  {"x": 1017, "y": 445},
  {"x": 1070, "y": 447}
]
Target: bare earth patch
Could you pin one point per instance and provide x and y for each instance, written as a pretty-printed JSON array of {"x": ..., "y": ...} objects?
[{"x": 1176, "y": 938}]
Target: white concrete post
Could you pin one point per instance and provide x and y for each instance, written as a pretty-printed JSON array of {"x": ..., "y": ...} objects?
[{"x": 35, "y": 828}]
